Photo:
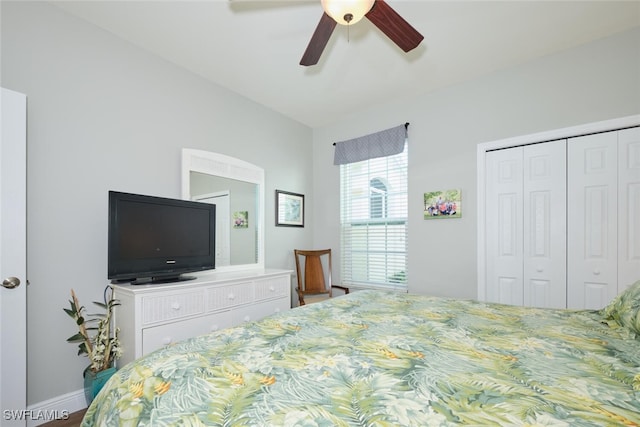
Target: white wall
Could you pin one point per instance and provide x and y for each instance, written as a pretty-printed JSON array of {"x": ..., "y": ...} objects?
[
  {"x": 590, "y": 83},
  {"x": 102, "y": 115}
]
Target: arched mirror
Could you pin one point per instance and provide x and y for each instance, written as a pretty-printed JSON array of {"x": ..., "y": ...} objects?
[{"x": 237, "y": 189}]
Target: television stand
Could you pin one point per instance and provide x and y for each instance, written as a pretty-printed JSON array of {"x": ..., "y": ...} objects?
[
  {"x": 153, "y": 280},
  {"x": 161, "y": 279}
]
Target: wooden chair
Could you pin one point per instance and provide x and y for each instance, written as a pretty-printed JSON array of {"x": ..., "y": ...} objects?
[{"x": 314, "y": 276}]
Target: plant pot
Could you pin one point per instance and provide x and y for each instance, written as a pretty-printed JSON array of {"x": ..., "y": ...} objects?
[{"x": 93, "y": 382}]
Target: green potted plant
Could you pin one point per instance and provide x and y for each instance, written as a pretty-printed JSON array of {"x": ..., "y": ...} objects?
[{"x": 102, "y": 348}]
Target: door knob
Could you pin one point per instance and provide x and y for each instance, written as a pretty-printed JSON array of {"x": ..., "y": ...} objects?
[{"x": 11, "y": 282}]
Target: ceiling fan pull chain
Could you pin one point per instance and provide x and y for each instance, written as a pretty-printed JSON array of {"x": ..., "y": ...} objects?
[{"x": 348, "y": 18}]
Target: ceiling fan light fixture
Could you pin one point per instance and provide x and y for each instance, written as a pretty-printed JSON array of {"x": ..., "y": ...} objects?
[{"x": 347, "y": 12}]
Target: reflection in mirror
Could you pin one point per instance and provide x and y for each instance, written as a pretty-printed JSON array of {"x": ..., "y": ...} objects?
[
  {"x": 236, "y": 188},
  {"x": 236, "y": 213}
]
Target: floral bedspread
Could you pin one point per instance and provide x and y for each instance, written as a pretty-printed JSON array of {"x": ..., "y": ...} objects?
[{"x": 382, "y": 358}]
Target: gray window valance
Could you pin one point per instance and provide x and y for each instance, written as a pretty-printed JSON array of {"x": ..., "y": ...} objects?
[{"x": 380, "y": 144}]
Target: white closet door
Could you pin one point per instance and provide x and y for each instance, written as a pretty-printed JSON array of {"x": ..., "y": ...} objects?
[
  {"x": 629, "y": 207},
  {"x": 592, "y": 233},
  {"x": 504, "y": 269},
  {"x": 545, "y": 219}
]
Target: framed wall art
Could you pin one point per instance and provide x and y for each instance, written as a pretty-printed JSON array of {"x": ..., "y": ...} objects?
[
  {"x": 443, "y": 204},
  {"x": 241, "y": 219},
  {"x": 289, "y": 209}
]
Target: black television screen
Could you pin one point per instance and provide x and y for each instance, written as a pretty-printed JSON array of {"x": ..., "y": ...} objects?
[{"x": 156, "y": 239}]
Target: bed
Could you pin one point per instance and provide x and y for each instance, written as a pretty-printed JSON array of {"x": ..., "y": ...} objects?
[{"x": 385, "y": 358}]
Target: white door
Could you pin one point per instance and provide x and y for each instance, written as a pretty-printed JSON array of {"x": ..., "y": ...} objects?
[
  {"x": 223, "y": 225},
  {"x": 629, "y": 207},
  {"x": 545, "y": 219},
  {"x": 592, "y": 209},
  {"x": 526, "y": 225},
  {"x": 13, "y": 319},
  {"x": 504, "y": 228}
]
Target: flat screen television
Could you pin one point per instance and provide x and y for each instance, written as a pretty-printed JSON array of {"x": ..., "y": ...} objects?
[{"x": 156, "y": 240}]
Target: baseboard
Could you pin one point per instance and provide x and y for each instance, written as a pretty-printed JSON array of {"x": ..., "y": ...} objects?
[{"x": 59, "y": 407}]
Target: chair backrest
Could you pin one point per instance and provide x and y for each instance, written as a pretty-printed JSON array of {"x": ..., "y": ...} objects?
[{"x": 314, "y": 276}]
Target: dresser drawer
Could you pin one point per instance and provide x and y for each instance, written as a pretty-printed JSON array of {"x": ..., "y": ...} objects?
[
  {"x": 260, "y": 310},
  {"x": 157, "y": 337},
  {"x": 161, "y": 308},
  {"x": 276, "y": 287},
  {"x": 229, "y": 296}
]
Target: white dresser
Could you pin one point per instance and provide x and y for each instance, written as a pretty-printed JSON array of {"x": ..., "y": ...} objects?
[{"x": 156, "y": 315}]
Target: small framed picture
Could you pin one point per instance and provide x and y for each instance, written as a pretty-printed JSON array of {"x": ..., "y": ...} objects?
[
  {"x": 443, "y": 204},
  {"x": 289, "y": 209},
  {"x": 241, "y": 219}
]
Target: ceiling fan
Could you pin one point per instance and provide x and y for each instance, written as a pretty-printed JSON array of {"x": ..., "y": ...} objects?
[{"x": 348, "y": 12}]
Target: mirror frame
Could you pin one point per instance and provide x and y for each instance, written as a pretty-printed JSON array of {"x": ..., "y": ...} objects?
[{"x": 224, "y": 166}]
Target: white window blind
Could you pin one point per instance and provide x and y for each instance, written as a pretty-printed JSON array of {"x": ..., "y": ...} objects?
[{"x": 373, "y": 212}]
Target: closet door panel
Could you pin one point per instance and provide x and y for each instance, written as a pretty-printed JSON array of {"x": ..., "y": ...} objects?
[
  {"x": 629, "y": 212},
  {"x": 545, "y": 282},
  {"x": 592, "y": 203},
  {"x": 504, "y": 230}
]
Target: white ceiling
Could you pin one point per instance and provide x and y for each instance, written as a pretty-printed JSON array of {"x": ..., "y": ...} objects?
[{"x": 254, "y": 47}]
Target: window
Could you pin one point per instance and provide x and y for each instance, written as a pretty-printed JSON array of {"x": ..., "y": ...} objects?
[
  {"x": 373, "y": 217},
  {"x": 378, "y": 202}
]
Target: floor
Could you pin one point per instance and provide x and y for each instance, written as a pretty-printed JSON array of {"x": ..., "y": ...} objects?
[{"x": 73, "y": 420}]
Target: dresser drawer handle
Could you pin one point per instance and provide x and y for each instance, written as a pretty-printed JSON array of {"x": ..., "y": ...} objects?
[
  {"x": 214, "y": 328},
  {"x": 232, "y": 297},
  {"x": 272, "y": 288},
  {"x": 247, "y": 318},
  {"x": 175, "y": 306},
  {"x": 167, "y": 340}
]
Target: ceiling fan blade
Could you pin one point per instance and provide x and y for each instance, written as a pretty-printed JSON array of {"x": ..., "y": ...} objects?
[
  {"x": 394, "y": 26},
  {"x": 318, "y": 41}
]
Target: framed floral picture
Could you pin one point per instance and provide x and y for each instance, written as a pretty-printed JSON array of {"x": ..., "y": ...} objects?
[
  {"x": 241, "y": 219},
  {"x": 289, "y": 209}
]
